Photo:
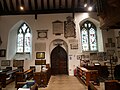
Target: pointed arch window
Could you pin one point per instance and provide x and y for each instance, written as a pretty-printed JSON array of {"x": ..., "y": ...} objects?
[
  {"x": 24, "y": 39},
  {"x": 89, "y": 36}
]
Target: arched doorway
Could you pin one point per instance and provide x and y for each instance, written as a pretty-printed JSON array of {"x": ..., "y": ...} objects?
[{"x": 59, "y": 63}]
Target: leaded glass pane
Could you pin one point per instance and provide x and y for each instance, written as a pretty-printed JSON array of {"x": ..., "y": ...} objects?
[
  {"x": 27, "y": 40},
  {"x": 89, "y": 25},
  {"x": 24, "y": 27},
  {"x": 92, "y": 36},
  {"x": 89, "y": 38},
  {"x": 24, "y": 39},
  {"x": 20, "y": 41},
  {"x": 85, "y": 25},
  {"x": 85, "y": 40}
]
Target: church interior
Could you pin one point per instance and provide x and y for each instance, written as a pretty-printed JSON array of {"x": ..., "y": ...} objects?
[{"x": 59, "y": 44}]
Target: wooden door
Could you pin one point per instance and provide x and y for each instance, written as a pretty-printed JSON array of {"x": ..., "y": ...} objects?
[{"x": 59, "y": 63}]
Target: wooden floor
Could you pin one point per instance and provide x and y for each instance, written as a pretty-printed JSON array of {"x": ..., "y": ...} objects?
[{"x": 59, "y": 82}]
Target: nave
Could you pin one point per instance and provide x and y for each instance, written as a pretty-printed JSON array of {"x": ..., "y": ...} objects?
[{"x": 58, "y": 82}]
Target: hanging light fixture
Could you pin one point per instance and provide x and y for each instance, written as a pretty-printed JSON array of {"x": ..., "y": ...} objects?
[
  {"x": 21, "y": 8},
  {"x": 85, "y": 5},
  {"x": 90, "y": 8}
]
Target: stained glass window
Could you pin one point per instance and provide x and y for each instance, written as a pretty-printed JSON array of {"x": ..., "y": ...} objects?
[
  {"x": 24, "y": 39},
  {"x": 88, "y": 36}
]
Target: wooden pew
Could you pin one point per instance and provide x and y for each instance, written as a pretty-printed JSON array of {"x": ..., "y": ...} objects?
[
  {"x": 107, "y": 85},
  {"x": 42, "y": 78},
  {"x": 21, "y": 77},
  {"x": 7, "y": 76},
  {"x": 102, "y": 70},
  {"x": 112, "y": 85},
  {"x": 87, "y": 75}
]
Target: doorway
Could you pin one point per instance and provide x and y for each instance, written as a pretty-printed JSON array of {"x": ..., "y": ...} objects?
[{"x": 59, "y": 63}]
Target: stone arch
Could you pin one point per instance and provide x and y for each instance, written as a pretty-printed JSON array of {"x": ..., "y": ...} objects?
[
  {"x": 12, "y": 37},
  {"x": 59, "y": 57}
]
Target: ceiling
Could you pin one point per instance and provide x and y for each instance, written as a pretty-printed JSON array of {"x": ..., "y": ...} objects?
[
  {"x": 12, "y": 7},
  {"x": 109, "y": 13}
]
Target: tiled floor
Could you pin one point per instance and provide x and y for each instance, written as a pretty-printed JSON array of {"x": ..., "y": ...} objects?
[{"x": 60, "y": 82}]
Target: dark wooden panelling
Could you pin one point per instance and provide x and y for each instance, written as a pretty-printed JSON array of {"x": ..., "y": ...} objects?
[
  {"x": 42, "y": 4},
  {"x": 66, "y": 3},
  {"x": 1, "y": 8},
  {"x": 5, "y": 5},
  {"x": 36, "y": 4},
  {"x": 30, "y": 5},
  {"x": 17, "y": 5},
  {"x": 53, "y": 4},
  {"x": 78, "y": 3},
  {"x": 91, "y": 2},
  {"x": 60, "y": 4},
  {"x": 11, "y": 5},
  {"x": 72, "y": 4},
  {"x": 22, "y": 2},
  {"x": 48, "y": 4}
]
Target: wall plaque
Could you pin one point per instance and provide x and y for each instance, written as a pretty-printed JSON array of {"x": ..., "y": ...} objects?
[
  {"x": 5, "y": 62},
  {"x": 42, "y": 33},
  {"x": 69, "y": 28},
  {"x": 40, "y": 46},
  {"x": 58, "y": 27},
  {"x": 40, "y": 62},
  {"x": 18, "y": 63},
  {"x": 40, "y": 55}
]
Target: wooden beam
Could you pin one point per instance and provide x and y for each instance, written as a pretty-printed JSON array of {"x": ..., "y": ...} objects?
[
  {"x": 48, "y": 4},
  {"x": 100, "y": 6},
  {"x": 1, "y": 8},
  {"x": 5, "y": 5},
  {"x": 114, "y": 27},
  {"x": 33, "y": 12},
  {"x": 17, "y": 5},
  {"x": 22, "y": 3},
  {"x": 91, "y": 2},
  {"x": 78, "y": 4},
  {"x": 11, "y": 6},
  {"x": 36, "y": 4},
  {"x": 73, "y": 4},
  {"x": 42, "y": 4},
  {"x": 30, "y": 5},
  {"x": 66, "y": 3},
  {"x": 85, "y": 1},
  {"x": 60, "y": 4},
  {"x": 54, "y": 4}
]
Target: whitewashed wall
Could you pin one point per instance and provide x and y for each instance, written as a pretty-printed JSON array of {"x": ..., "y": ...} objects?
[{"x": 43, "y": 22}]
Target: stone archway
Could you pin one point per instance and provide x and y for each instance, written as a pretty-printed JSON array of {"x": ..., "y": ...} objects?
[{"x": 59, "y": 61}]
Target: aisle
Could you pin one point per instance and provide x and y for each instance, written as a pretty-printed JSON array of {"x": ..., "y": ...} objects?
[
  {"x": 64, "y": 82},
  {"x": 59, "y": 82}
]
